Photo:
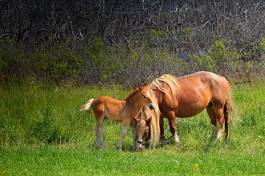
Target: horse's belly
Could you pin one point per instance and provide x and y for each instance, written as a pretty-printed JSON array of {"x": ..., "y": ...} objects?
[
  {"x": 188, "y": 113},
  {"x": 114, "y": 116},
  {"x": 190, "y": 109}
]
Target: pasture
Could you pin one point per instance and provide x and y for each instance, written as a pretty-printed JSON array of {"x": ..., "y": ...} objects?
[{"x": 42, "y": 132}]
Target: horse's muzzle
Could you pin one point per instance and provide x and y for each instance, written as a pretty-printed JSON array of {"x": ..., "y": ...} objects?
[{"x": 140, "y": 145}]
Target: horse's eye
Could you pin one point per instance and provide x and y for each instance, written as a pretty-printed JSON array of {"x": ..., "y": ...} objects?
[{"x": 151, "y": 106}]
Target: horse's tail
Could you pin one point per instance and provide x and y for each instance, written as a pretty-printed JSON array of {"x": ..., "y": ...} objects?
[
  {"x": 227, "y": 113},
  {"x": 87, "y": 105}
]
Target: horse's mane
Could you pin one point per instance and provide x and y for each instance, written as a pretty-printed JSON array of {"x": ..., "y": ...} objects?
[{"x": 165, "y": 82}]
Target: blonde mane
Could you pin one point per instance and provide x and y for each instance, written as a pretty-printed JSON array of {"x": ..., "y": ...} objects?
[
  {"x": 166, "y": 83},
  {"x": 155, "y": 127}
]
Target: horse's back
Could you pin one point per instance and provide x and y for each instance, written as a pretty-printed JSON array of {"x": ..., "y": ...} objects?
[
  {"x": 196, "y": 91},
  {"x": 108, "y": 105},
  {"x": 218, "y": 86},
  {"x": 206, "y": 78}
]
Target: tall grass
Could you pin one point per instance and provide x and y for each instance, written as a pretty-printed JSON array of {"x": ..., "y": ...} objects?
[
  {"x": 33, "y": 114},
  {"x": 42, "y": 132}
]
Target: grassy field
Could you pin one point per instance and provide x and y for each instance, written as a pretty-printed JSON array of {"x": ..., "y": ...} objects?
[{"x": 42, "y": 132}]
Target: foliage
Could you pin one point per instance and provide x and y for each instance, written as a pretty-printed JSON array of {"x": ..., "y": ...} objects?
[
  {"x": 122, "y": 64},
  {"x": 218, "y": 58},
  {"x": 108, "y": 60},
  {"x": 56, "y": 63},
  {"x": 262, "y": 44}
]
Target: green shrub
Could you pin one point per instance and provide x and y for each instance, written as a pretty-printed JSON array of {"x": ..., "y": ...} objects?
[
  {"x": 156, "y": 34},
  {"x": 218, "y": 58},
  {"x": 12, "y": 57},
  {"x": 45, "y": 131},
  {"x": 57, "y": 63},
  {"x": 262, "y": 45},
  {"x": 108, "y": 59}
]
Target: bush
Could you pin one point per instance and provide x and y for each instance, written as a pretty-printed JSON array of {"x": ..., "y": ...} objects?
[
  {"x": 45, "y": 131},
  {"x": 218, "y": 59},
  {"x": 135, "y": 62},
  {"x": 262, "y": 45},
  {"x": 55, "y": 63}
]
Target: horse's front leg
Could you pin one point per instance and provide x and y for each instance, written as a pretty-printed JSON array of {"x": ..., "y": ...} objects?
[
  {"x": 161, "y": 124},
  {"x": 124, "y": 130},
  {"x": 172, "y": 124}
]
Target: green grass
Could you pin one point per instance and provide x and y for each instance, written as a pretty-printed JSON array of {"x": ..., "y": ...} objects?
[{"x": 42, "y": 132}]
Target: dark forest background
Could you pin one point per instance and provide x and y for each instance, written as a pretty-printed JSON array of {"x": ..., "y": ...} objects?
[{"x": 130, "y": 42}]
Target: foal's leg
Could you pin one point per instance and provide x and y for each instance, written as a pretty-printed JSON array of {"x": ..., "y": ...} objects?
[
  {"x": 99, "y": 132},
  {"x": 172, "y": 124},
  {"x": 124, "y": 130},
  {"x": 217, "y": 119},
  {"x": 99, "y": 113}
]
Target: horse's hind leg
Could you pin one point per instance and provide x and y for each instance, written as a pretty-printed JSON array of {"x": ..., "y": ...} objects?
[
  {"x": 217, "y": 119},
  {"x": 172, "y": 124}
]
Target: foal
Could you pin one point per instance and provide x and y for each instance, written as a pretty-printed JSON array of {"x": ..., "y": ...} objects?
[
  {"x": 113, "y": 109},
  {"x": 103, "y": 106}
]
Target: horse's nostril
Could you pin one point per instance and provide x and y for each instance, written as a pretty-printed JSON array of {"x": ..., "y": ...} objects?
[{"x": 141, "y": 147}]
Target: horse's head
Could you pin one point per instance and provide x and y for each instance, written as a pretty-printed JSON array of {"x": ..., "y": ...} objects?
[
  {"x": 147, "y": 126},
  {"x": 141, "y": 108},
  {"x": 142, "y": 128}
]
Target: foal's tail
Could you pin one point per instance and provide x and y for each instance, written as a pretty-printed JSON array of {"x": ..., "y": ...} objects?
[
  {"x": 87, "y": 105},
  {"x": 228, "y": 108}
]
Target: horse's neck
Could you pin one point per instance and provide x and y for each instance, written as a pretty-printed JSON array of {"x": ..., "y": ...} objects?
[
  {"x": 134, "y": 103},
  {"x": 156, "y": 95}
]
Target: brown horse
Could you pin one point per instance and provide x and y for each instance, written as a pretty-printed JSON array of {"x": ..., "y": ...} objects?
[
  {"x": 108, "y": 107},
  {"x": 188, "y": 95}
]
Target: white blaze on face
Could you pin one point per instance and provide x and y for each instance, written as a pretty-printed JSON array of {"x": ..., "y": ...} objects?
[{"x": 141, "y": 130}]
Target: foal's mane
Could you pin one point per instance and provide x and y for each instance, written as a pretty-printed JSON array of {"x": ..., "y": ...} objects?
[
  {"x": 132, "y": 94},
  {"x": 138, "y": 90}
]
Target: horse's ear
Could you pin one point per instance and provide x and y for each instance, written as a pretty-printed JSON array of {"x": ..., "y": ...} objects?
[
  {"x": 139, "y": 86},
  {"x": 136, "y": 86}
]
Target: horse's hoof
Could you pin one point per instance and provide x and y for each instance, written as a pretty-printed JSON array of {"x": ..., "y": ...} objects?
[
  {"x": 101, "y": 146},
  {"x": 162, "y": 139},
  {"x": 139, "y": 149},
  {"x": 176, "y": 140}
]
